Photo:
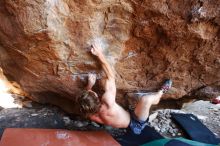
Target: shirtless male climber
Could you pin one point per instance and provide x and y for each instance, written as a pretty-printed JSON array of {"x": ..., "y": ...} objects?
[{"x": 106, "y": 111}]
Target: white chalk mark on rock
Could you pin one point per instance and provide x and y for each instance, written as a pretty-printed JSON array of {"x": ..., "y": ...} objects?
[{"x": 84, "y": 75}]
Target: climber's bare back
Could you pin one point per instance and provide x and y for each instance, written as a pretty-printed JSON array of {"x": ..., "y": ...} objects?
[{"x": 113, "y": 115}]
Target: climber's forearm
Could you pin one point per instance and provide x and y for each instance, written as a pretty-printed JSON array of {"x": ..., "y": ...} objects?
[
  {"x": 91, "y": 81},
  {"x": 106, "y": 67},
  {"x": 89, "y": 86}
]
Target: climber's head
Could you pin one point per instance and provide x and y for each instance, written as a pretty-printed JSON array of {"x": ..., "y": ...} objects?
[{"x": 89, "y": 103}]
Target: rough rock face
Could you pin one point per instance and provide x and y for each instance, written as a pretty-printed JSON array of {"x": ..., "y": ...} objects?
[{"x": 43, "y": 44}]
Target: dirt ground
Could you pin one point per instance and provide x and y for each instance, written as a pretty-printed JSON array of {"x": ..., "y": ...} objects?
[{"x": 47, "y": 116}]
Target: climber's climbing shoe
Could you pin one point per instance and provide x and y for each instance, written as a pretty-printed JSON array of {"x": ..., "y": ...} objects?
[{"x": 166, "y": 86}]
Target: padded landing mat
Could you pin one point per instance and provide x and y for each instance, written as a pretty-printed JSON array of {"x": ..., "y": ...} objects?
[
  {"x": 194, "y": 128},
  {"x": 54, "y": 137}
]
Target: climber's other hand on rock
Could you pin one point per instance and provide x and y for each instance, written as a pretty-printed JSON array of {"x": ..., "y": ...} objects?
[{"x": 91, "y": 79}]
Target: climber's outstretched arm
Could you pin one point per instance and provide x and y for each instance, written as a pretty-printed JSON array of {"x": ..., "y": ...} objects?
[{"x": 110, "y": 89}]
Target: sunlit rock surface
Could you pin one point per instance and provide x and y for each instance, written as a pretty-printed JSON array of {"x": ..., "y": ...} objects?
[{"x": 44, "y": 45}]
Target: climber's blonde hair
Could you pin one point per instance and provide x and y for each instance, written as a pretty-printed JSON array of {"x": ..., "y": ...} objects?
[{"x": 89, "y": 103}]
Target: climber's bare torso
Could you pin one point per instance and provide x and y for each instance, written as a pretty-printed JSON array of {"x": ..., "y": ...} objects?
[{"x": 114, "y": 116}]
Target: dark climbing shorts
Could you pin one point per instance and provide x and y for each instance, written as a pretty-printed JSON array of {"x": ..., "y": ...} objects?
[{"x": 136, "y": 126}]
